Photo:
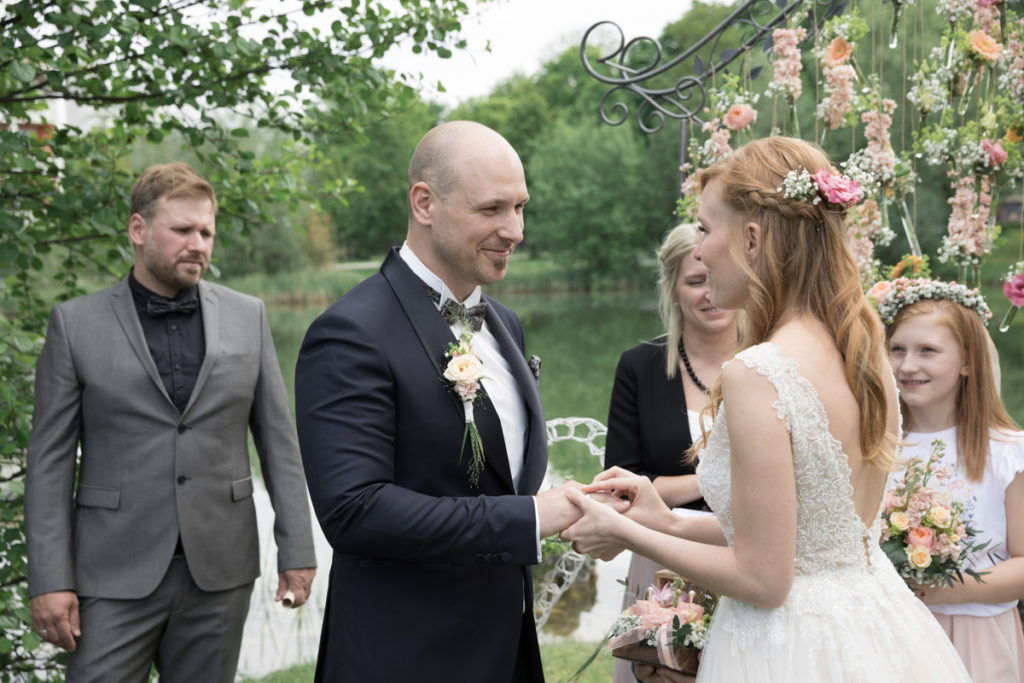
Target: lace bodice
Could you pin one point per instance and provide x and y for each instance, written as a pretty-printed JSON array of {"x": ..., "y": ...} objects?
[{"x": 829, "y": 534}]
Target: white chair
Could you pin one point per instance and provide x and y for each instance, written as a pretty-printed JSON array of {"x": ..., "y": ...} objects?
[{"x": 558, "y": 579}]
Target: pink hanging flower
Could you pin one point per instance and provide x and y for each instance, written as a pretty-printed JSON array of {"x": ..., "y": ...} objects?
[
  {"x": 995, "y": 151},
  {"x": 839, "y": 82},
  {"x": 1013, "y": 288},
  {"x": 967, "y": 220},
  {"x": 787, "y": 67},
  {"x": 876, "y": 130}
]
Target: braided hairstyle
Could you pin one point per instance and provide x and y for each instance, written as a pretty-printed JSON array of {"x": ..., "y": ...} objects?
[{"x": 805, "y": 266}]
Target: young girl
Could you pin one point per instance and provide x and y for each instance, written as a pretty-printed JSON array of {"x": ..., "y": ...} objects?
[{"x": 939, "y": 351}]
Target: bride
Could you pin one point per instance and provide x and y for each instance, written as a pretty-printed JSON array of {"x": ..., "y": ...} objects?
[{"x": 795, "y": 465}]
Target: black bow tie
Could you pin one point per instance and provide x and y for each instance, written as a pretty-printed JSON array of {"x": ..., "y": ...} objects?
[
  {"x": 157, "y": 306},
  {"x": 453, "y": 312}
]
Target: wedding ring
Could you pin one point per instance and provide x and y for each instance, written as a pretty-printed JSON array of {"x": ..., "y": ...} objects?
[{"x": 42, "y": 631}]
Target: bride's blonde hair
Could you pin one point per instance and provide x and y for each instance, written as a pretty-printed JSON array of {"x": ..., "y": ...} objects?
[{"x": 804, "y": 265}]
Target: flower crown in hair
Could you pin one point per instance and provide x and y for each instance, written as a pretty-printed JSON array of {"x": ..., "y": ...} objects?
[
  {"x": 889, "y": 297},
  {"x": 838, "y": 192}
]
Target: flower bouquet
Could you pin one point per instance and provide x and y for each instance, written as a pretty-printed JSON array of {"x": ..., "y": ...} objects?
[
  {"x": 925, "y": 534},
  {"x": 667, "y": 629}
]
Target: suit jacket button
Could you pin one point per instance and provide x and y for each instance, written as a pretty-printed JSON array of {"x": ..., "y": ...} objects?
[
  {"x": 504, "y": 558},
  {"x": 182, "y": 428},
  {"x": 182, "y": 479},
  {"x": 480, "y": 558}
]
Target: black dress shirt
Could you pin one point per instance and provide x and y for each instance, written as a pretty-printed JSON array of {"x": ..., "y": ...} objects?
[{"x": 175, "y": 341}]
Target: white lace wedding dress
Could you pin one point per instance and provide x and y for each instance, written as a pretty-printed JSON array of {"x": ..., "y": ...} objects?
[{"x": 848, "y": 616}]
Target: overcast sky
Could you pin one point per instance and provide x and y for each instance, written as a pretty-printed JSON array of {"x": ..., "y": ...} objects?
[{"x": 523, "y": 34}]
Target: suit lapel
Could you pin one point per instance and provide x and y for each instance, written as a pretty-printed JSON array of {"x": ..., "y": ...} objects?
[
  {"x": 211, "y": 335},
  {"x": 434, "y": 335},
  {"x": 128, "y": 318}
]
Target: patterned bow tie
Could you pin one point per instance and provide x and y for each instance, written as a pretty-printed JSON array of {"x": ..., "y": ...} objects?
[
  {"x": 158, "y": 306},
  {"x": 453, "y": 312}
]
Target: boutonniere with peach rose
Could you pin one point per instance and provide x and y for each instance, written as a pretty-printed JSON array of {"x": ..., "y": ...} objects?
[
  {"x": 464, "y": 370},
  {"x": 926, "y": 533}
]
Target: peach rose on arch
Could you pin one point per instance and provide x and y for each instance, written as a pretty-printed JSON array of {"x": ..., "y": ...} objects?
[
  {"x": 738, "y": 117},
  {"x": 983, "y": 45},
  {"x": 837, "y": 52}
]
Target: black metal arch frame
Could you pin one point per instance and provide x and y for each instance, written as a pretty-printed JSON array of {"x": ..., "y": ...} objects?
[{"x": 756, "y": 19}]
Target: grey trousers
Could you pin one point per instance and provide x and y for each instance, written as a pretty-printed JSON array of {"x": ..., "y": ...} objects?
[{"x": 190, "y": 635}]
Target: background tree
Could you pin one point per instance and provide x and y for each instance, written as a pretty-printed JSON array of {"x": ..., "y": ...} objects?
[
  {"x": 373, "y": 217},
  {"x": 593, "y": 203}
]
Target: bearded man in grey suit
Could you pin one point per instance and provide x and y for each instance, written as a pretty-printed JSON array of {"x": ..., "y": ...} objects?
[{"x": 143, "y": 551}]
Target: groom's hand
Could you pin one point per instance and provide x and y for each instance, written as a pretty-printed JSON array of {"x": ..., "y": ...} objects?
[{"x": 554, "y": 510}]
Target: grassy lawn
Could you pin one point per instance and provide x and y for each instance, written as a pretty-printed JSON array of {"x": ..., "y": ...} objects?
[{"x": 561, "y": 660}]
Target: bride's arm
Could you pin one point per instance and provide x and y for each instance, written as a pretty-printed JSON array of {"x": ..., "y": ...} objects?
[
  {"x": 759, "y": 568},
  {"x": 647, "y": 507}
]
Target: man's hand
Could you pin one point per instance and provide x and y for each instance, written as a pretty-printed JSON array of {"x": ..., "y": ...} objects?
[
  {"x": 297, "y": 582},
  {"x": 55, "y": 618},
  {"x": 554, "y": 510}
]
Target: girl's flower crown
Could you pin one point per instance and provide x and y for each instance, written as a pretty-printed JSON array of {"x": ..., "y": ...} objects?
[
  {"x": 838, "y": 192},
  {"x": 889, "y": 297}
]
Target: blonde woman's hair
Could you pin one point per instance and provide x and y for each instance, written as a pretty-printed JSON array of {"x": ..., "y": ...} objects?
[
  {"x": 677, "y": 245},
  {"x": 978, "y": 406},
  {"x": 804, "y": 266}
]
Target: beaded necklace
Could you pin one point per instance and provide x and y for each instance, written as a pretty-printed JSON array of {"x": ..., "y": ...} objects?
[{"x": 689, "y": 368}]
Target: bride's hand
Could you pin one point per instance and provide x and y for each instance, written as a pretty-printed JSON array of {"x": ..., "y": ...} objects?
[
  {"x": 597, "y": 531},
  {"x": 645, "y": 504}
]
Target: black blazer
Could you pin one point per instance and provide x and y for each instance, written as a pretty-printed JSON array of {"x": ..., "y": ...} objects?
[
  {"x": 648, "y": 431},
  {"x": 430, "y": 575}
]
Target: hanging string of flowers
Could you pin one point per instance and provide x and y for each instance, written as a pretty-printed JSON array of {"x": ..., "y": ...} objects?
[
  {"x": 839, "y": 38},
  {"x": 964, "y": 101},
  {"x": 787, "y": 68}
]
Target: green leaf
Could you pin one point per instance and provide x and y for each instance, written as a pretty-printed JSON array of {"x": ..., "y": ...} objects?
[
  {"x": 20, "y": 71},
  {"x": 31, "y": 640}
]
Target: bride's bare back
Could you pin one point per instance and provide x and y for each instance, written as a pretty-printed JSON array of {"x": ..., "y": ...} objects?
[{"x": 808, "y": 341}]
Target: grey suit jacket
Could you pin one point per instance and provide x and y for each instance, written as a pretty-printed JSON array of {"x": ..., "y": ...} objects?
[{"x": 148, "y": 473}]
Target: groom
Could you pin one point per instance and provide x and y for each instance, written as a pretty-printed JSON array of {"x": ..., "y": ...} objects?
[{"x": 431, "y": 572}]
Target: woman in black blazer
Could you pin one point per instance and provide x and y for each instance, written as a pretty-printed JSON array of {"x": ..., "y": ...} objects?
[{"x": 661, "y": 388}]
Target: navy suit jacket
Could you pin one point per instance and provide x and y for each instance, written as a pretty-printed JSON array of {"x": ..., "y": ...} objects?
[{"x": 430, "y": 574}]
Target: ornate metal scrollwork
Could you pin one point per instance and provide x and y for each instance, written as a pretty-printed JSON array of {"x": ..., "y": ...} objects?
[{"x": 630, "y": 68}]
